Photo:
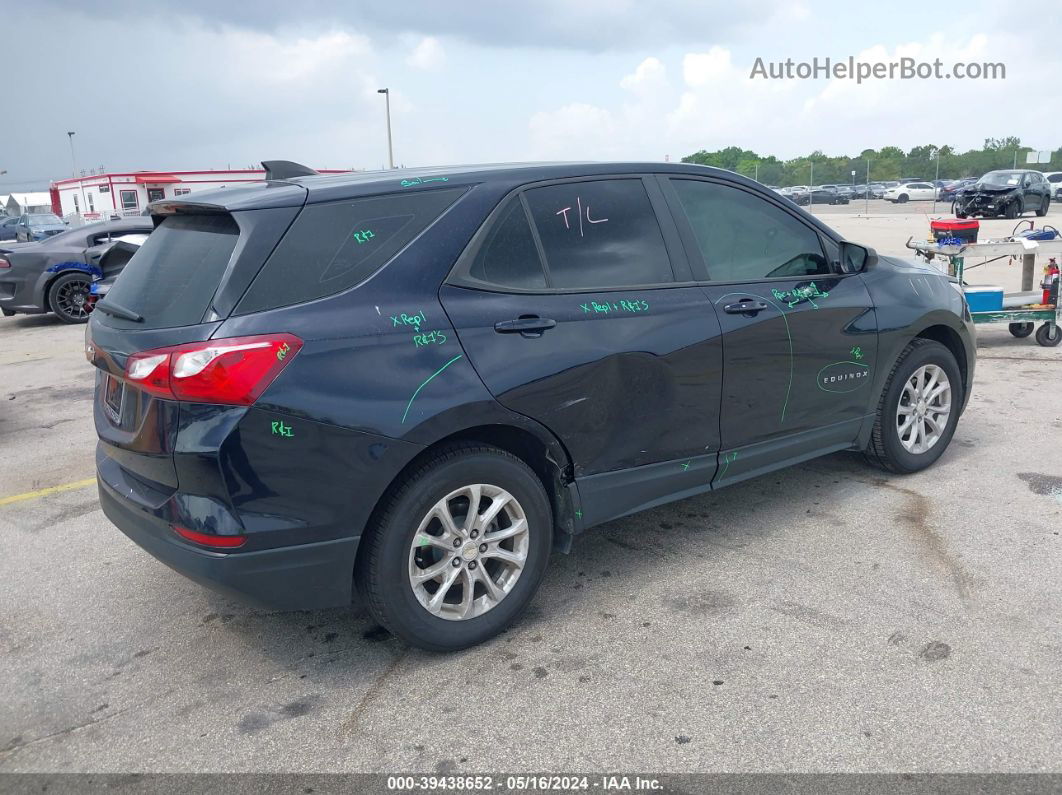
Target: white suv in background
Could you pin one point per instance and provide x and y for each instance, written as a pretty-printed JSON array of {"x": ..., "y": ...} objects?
[
  {"x": 1054, "y": 180},
  {"x": 910, "y": 191}
]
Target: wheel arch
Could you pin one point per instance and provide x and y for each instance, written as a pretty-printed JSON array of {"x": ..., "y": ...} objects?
[
  {"x": 532, "y": 444},
  {"x": 53, "y": 272},
  {"x": 950, "y": 339}
]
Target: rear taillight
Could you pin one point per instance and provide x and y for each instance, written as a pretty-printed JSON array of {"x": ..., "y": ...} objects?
[
  {"x": 208, "y": 539},
  {"x": 4, "y": 263},
  {"x": 232, "y": 371}
]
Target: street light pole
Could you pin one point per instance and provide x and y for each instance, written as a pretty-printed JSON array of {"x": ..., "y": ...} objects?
[
  {"x": 73, "y": 172},
  {"x": 936, "y": 187},
  {"x": 811, "y": 189},
  {"x": 73, "y": 160},
  {"x": 866, "y": 195},
  {"x": 387, "y": 99}
]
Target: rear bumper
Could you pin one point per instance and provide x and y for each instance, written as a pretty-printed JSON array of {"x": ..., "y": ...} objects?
[
  {"x": 22, "y": 289},
  {"x": 302, "y": 577}
]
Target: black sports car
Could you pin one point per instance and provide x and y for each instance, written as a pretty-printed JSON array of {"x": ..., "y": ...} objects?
[{"x": 56, "y": 274}]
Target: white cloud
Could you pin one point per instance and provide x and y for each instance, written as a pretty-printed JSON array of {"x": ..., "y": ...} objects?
[
  {"x": 428, "y": 54},
  {"x": 703, "y": 68},
  {"x": 649, "y": 77},
  {"x": 575, "y": 132},
  {"x": 719, "y": 105}
]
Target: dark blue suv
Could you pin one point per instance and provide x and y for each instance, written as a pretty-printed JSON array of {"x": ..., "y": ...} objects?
[{"x": 418, "y": 383}]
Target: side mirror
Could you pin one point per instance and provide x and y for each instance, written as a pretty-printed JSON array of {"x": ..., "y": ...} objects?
[{"x": 856, "y": 258}]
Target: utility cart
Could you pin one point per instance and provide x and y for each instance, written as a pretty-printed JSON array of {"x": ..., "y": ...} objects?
[{"x": 1023, "y": 318}]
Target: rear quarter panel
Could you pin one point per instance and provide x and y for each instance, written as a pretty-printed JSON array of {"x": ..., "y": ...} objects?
[{"x": 381, "y": 366}]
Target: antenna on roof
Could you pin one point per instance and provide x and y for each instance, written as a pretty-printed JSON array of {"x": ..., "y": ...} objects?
[{"x": 285, "y": 169}]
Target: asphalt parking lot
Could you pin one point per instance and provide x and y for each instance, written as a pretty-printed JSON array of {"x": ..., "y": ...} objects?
[{"x": 825, "y": 618}]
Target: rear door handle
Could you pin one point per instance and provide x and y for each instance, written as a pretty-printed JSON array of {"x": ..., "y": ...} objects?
[
  {"x": 525, "y": 325},
  {"x": 745, "y": 307}
]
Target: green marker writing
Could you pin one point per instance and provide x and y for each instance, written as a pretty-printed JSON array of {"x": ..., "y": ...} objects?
[{"x": 281, "y": 429}]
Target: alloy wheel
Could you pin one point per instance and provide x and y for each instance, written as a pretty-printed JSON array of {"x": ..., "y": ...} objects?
[
  {"x": 924, "y": 408},
  {"x": 72, "y": 299},
  {"x": 468, "y": 552}
]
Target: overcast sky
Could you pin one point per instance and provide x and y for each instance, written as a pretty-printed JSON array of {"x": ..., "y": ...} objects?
[{"x": 188, "y": 84}]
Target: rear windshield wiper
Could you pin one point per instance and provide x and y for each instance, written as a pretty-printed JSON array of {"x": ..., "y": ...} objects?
[{"x": 118, "y": 310}]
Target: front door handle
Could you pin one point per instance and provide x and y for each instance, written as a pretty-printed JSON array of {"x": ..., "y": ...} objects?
[
  {"x": 525, "y": 325},
  {"x": 745, "y": 308}
]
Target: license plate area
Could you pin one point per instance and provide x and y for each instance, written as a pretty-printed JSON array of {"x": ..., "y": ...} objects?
[{"x": 113, "y": 398}]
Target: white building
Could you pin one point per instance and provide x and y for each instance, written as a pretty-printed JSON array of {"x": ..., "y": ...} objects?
[
  {"x": 19, "y": 203},
  {"x": 102, "y": 196}
]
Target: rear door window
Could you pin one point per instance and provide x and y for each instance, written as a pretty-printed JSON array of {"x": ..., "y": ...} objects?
[
  {"x": 172, "y": 278},
  {"x": 601, "y": 233},
  {"x": 333, "y": 246}
]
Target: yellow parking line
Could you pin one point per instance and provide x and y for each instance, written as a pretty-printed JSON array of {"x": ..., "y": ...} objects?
[{"x": 30, "y": 495}]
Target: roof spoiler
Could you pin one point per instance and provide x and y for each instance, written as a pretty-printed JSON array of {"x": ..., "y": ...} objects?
[{"x": 285, "y": 169}]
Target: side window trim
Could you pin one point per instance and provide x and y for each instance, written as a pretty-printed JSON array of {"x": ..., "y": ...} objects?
[
  {"x": 543, "y": 260},
  {"x": 678, "y": 261},
  {"x": 676, "y": 251},
  {"x": 696, "y": 259}
]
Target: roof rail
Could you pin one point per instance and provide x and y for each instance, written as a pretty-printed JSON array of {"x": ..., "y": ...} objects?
[{"x": 285, "y": 169}]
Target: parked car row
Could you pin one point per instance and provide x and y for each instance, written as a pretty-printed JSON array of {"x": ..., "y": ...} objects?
[
  {"x": 821, "y": 194},
  {"x": 1004, "y": 193},
  {"x": 31, "y": 226}
]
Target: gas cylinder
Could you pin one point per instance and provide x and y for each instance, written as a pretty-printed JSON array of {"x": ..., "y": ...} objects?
[{"x": 1050, "y": 282}]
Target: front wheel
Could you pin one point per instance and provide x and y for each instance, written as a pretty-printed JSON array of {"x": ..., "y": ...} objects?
[
  {"x": 1021, "y": 330},
  {"x": 903, "y": 197},
  {"x": 458, "y": 550},
  {"x": 69, "y": 297},
  {"x": 1013, "y": 210},
  {"x": 918, "y": 410},
  {"x": 1049, "y": 334}
]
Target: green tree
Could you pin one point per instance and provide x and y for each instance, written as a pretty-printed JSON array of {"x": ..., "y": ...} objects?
[{"x": 888, "y": 163}]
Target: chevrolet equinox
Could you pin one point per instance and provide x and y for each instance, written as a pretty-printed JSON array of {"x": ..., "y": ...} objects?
[{"x": 419, "y": 383}]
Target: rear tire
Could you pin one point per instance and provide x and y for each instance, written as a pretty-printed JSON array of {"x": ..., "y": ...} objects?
[
  {"x": 407, "y": 537},
  {"x": 1046, "y": 338},
  {"x": 888, "y": 449},
  {"x": 68, "y": 297},
  {"x": 1044, "y": 205},
  {"x": 1021, "y": 330}
]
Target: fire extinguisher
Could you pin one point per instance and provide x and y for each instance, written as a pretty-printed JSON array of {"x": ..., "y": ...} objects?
[{"x": 1050, "y": 282}]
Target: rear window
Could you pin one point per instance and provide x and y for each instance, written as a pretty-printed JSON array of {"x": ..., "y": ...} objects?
[
  {"x": 173, "y": 276},
  {"x": 334, "y": 246}
]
